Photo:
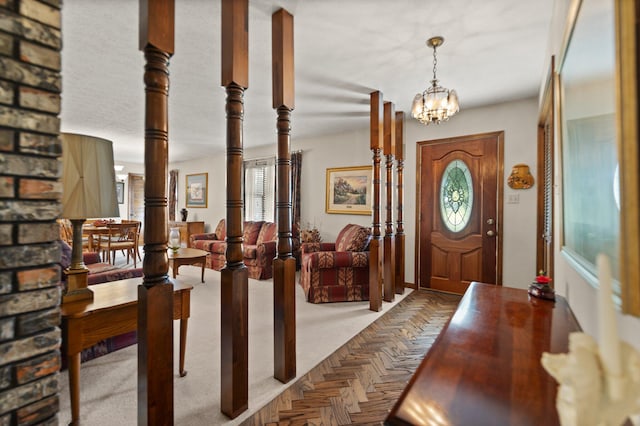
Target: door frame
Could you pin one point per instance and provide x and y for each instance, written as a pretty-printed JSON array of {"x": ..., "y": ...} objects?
[
  {"x": 499, "y": 135},
  {"x": 545, "y": 244}
]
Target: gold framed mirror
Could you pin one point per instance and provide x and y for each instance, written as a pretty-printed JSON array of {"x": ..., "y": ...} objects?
[{"x": 599, "y": 144}]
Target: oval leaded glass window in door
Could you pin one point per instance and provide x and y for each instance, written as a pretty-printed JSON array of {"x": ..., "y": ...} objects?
[{"x": 456, "y": 195}]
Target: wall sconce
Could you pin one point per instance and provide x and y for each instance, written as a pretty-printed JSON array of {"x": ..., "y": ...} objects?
[{"x": 520, "y": 177}]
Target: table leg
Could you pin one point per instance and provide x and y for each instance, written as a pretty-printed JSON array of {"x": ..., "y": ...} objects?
[
  {"x": 174, "y": 268},
  {"x": 204, "y": 261},
  {"x": 74, "y": 387},
  {"x": 183, "y": 344}
]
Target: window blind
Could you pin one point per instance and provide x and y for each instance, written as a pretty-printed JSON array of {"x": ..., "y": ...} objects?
[{"x": 259, "y": 189}]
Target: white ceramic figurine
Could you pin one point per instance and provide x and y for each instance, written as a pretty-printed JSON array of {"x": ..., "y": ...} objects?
[{"x": 598, "y": 385}]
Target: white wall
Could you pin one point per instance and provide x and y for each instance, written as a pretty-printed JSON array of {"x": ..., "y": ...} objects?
[
  {"x": 215, "y": 166},
  {"x": 569, "y": 282},
  {"x": 318, "y": 154}
]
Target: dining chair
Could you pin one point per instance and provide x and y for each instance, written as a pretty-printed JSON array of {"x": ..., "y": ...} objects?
[
  {"x": 121, "y": 236},
  {"x": 66, "y": 234},
  {"x": 139, "y": 223}
]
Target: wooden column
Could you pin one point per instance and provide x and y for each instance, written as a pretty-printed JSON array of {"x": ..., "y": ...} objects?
[
  {"x": 399, "y": 245},
  {"x": 234, "y": 341},
  {"x": 375, "y": 247},
  {"x": 155, "y": 295},
  {"x": 284, "y": 265},
  {"x": 389, "y": 274}
]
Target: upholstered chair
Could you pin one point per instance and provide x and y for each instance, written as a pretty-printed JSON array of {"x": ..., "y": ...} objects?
[
  {"x": 260, "y": 248},
  {"x": 213, "y": 242},
  {"x": 339, "y": 271}
]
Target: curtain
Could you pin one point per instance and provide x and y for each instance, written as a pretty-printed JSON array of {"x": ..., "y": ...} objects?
[
  {"x": 296, "y": 171},
  {"x": 173, "y": 193}
]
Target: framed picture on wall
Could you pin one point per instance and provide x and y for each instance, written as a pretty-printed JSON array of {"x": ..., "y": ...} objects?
[
  {"x": 349, "y": 190},
  {"x": 197, "y": 188},
  {"x": 120, "y": 192}
]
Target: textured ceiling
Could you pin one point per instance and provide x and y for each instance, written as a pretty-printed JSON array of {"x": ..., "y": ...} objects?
[{"x": 344, "y": 49}]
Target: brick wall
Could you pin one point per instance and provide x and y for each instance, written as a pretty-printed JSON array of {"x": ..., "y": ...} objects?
[{"x": 30, "y": 86}]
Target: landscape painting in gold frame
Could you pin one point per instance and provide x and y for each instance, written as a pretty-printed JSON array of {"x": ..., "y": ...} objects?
[{"x": 349, "y": 190}]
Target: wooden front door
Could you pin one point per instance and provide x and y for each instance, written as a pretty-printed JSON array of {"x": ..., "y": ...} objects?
[
  {"x": 136, "y": 200},
  {"x": 460, "y": 213}
]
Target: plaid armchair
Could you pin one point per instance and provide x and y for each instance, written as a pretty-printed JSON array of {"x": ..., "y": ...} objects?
[{"x": 337, "y": 272}]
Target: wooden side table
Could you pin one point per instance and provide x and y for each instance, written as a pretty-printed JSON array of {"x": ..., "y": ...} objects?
[
  {"x": 113, "y": 311},
  {"x": 187, "y": 256}
]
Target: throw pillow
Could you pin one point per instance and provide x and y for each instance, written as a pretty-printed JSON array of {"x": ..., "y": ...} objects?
[
  {"x": 251, "y": 230},
  {"x": 65, "y": 255},
  {"x": 360, "y": 240},
  {"x": 268, "y": 232},
  {"x": 221, "y": 230},
  {"x": 353, "y": 238}
]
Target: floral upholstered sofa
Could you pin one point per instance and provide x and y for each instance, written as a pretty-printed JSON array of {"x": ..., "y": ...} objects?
[
  {"x": 258, "y": 250},
  {"x": 337, "y": 272}
]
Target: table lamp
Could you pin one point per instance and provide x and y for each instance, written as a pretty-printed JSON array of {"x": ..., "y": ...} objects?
[{"x": 88, "y": 190}]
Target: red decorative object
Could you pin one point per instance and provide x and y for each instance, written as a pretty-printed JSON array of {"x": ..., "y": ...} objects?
[
  {"x": 541, "y": 288},
  {"x": 543, "y": 279}
]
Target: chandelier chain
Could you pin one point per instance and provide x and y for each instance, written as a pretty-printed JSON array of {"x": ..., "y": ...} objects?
[{"x": 435, "y": 62}]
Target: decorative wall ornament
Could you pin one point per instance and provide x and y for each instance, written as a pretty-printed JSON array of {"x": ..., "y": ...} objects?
[
  {"x": 598, "y": 384},
  {"x": 520, "y": 177}
]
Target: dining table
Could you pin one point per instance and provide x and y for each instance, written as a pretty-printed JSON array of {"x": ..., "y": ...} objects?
[{"x": 90, "y": 231}]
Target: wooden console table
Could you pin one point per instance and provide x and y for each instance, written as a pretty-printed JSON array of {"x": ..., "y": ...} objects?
[
  {"x": 484, "y": 368},
  {"x": 113, "y": 311}
]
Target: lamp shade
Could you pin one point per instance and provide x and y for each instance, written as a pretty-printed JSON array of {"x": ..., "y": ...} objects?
[{"x": 88, "y": 177}]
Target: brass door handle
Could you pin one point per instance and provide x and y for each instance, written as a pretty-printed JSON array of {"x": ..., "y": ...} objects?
[{"x": 490, "y": 233}]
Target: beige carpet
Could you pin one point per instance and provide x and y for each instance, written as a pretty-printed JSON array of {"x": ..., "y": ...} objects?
[{"x": 108, "y": 386}]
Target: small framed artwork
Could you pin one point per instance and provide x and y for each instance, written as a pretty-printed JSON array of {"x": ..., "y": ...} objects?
[
  {"x": 120, "y": 192},
  {"x": 197, "y": 188},
  {"x": 349, "y": 190}
]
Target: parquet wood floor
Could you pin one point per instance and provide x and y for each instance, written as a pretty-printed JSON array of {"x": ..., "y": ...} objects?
[{"x": 360, "y": 382}]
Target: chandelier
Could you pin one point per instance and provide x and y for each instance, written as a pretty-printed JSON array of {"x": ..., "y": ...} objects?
[{"x": 437, "y": 103}]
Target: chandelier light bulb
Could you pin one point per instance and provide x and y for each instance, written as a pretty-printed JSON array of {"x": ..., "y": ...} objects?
[{"x": 436, "y": 104}]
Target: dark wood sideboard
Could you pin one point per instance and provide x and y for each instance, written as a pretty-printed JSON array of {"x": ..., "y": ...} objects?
[
  {"x": 186, "y": 230},
  {"x": 484, "y": 368}
]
